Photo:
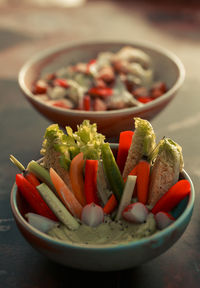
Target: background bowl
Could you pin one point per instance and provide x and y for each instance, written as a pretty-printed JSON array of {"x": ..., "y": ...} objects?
[
  {"x": 104, "y": 258},
  {"x": 168, "y": 68}
]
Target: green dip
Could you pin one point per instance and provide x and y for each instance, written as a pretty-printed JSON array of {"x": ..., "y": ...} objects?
[{"x": 108, "y": 232}]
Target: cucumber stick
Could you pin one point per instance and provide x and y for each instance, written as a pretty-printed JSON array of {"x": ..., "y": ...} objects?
[
  {"x": 127, "y": 195},
  {"x": 112, "y": 171},
  {"x": 41, "y": 173},
  {"x": 57, "y": 207}
]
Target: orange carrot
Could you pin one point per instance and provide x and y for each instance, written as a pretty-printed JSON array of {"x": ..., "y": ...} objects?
[
  {"x": 76, "y": 177},
  {"x": 172, "y": 197},
  {"x": 133, "y": 172},
  {"x": 143, "y": 172},
  {"x": 110, "y": 205},
  {"x": 67, "y": 197},
  {"x": 125, "y": 140}
]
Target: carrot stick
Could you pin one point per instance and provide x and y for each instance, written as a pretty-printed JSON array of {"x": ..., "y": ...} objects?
[
  {"x": 172, "y": 197},
  {"x": 143, "y": 172},
  {"x": 110, "y": 205},
  {"x": 67, "y": 197},
  {"x": 90, "y": 187},
  {"x": 33, "y": 198},
  {"x": 133, "y": 172},
  {"x": 76, "y": 178},
  {"x": 125, "y": 140}
]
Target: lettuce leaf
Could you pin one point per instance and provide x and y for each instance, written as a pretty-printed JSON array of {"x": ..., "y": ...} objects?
[
  {"x": 145, "y": 132},
  {"x": 86, "y": 139},
  {"x": 170, "y": 150}
]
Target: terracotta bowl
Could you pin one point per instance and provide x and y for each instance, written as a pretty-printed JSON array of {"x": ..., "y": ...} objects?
[
  {"x": 168, "y": 68},
  {"x": 104, "y": 258}
]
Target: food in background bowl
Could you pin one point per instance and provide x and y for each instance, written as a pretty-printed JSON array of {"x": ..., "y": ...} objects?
[
  {"x": 80, "y": 193},
  {"x": 110, "y": 81},
  {"x": 166, "y": 67}
]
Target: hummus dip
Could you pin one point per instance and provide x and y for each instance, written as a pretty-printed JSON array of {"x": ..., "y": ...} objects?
[{"x": 108, "y": 232}]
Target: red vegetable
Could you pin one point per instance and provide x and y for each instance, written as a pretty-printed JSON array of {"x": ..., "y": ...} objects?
[
  {"x": 32, "y": 179},
  {"x": 61, "y": 82},
  {"x": 89, "y": 64},
  {"x": 32, "y": 196},
  {"x": 125, "y": 140},
  {"x": 110, "y": 205},
  {"x": 143, "y": 172},
  {"x": 60, "y": 104},
  {"x": 172, "y": 197},
  {"x": 145, "y": 99},
  {"x": 90, "y": 186},
  {"x": 40, "y": 87},
  {"x": 86, "y": 103},
  {"x": 101, "y": 92}
]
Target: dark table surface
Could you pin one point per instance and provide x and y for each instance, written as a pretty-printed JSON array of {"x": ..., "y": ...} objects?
[{"x": 29, "y": 28}]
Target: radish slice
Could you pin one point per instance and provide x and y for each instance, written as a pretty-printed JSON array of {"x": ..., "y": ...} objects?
[
  {"x": 163, "y": 219},
  {"x": 92, "y": 215},
  {"x": 127, "y": 195},
  {"x": 136, "y": 213},
  {"x": 40, "y": 222}
]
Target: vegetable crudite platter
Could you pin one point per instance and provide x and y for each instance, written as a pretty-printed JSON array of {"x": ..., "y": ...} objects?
[
  {"x": 104, "y": 82},
  {"x": 92, "y": 205}
]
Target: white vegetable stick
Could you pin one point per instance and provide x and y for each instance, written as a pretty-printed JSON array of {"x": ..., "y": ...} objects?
[
  {"x": 57, "y": 207},
  {"x": 127, "y": 195}
]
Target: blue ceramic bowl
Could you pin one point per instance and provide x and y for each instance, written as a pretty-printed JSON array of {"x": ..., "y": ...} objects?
[{"x": 105, "y": 258}]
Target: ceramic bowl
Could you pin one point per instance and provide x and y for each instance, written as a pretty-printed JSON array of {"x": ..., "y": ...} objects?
[
  {"x": 168, "y": 68},
  {"x": 104, "y": 258}
]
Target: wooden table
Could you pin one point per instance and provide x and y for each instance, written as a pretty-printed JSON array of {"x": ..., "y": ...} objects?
[{"x": 25, "y": 30}]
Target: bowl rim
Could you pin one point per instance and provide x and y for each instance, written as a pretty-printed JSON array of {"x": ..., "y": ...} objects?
[
  {"x": 98, "y": 114},
  {"x": 105, "y": 247}
]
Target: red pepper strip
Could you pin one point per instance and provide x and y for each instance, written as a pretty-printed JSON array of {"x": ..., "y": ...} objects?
[
  {"x": 145, "y": 99},
  {"x": 86, "y": 103},
  {"x": 32, "y": 178},
  {"x": 32, "y": 196},
  {"x": 125, "y": 140},
  {"x": 61, "y": 82},
  {"x": 60, "y": 104},
  {"x": 143, "y": 173},
  {"x": 110, "y": 205},
  {"x": 101, "y": 92},
  {"x": 89, "y": 64},
  {"x": 172, "y": 197},
  {"x": 90, "y": 186}
]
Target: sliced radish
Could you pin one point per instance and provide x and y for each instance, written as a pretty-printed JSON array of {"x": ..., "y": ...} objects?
[
  {"x": 40, "y": 222},
  {"x": 136, "y": 213},
  {"x": 163, "y": 219},
  {"x": 92, "y": 215}
]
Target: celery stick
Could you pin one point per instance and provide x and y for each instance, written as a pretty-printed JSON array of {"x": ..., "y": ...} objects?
[
  {"x": 127, "y": 195},
  {"x": 41, "y": 173},
  {"x": 57, "y": 207}
]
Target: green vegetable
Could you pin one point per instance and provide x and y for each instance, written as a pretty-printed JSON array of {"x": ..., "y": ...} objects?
[
  {"x": 145, "y": 132},
  {"x": 86, "y": 139},
  {"x": 171, "y": 152},
  {"x": 112, "y": 171},
  {"x": 57, "y": 207},
  {"x": 41, "y": 173}
]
